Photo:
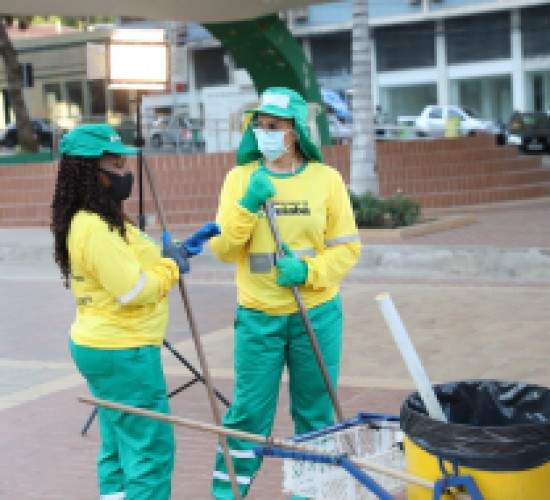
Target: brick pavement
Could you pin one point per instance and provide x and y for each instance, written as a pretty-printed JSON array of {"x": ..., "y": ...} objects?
[{"x": 462, "y": 330}]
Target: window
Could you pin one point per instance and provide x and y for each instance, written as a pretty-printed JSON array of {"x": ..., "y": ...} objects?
[
  {"x": 453, "y": 113},
  {"x": 405, "y": 47},
  {"x": 121, "y": 101},
  {"x": 96, "y": 92},
  {"x": 478, "y": 38},
  {"x": 52, "y": 97},
  {"x": 210, "y": 67},
  {"x": 535, "y": 31},
  {"x": 331, "y": 54},
  {"x": 436, "y": 113},
  {"x": 75, "y": 98}
]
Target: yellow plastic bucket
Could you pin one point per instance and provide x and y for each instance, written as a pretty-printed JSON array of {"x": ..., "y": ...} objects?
[
  {"x": 497, "y": 432},
  {"x": 531, "y": 484},
  {"x": 452, "y": 127}
]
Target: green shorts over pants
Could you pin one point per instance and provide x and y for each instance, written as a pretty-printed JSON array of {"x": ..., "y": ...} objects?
[
  {"x": 263, "y": 345},
  {"x": 136, "y": 454}
]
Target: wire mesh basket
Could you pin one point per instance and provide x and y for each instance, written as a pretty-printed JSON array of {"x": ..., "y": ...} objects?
[{"x": 375, "y": 437}]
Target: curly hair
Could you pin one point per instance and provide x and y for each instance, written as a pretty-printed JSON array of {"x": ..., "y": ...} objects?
[{"x": 78, "y": 188}]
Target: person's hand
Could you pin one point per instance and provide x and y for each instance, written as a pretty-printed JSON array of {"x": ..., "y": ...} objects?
[
  {"x": 259, "y": 189},
  {"x": 177, "y": 253},
  {"x": 292, "y": 271},
  {"x": 195, "y": 242}
]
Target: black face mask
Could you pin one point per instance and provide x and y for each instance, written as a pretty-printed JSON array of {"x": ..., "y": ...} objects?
[{"x": 121, "y": 185}]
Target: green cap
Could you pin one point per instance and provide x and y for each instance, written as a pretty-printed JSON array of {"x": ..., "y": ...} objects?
[
  {"x": 284, "y": 103},
  {"x": 93, "y": 140}
]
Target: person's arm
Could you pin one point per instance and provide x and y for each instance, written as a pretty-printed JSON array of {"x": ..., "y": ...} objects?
[
  {"x": 342, "y": 243},
  {"x": 116, "y": 267},
  {"x": 237, "y": 216}
]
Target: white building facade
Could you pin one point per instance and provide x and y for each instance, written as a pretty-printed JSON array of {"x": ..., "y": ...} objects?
[{"x": 492, "y": 56}]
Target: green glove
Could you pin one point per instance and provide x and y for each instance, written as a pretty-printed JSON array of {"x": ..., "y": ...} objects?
[
  {"x": 260, "y": 188},
  {"x": 292, "y": 271}
]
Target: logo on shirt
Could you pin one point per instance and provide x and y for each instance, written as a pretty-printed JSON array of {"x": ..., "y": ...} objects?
[
  {"x": 84, "y": 301},
  {"x": 292, "y": 208}
]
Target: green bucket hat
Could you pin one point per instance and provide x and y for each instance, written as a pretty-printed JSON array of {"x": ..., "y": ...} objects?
[
  {"x": 283, "y": 103},
  {"x": 92, "y": 141}
]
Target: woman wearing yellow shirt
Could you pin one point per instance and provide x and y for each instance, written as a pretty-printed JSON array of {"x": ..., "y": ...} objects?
[
  {"x": 277, "y": 160},
  {"x": 120, "y": 280}
]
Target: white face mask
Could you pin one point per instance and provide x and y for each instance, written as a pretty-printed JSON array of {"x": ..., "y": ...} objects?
[{"x": 271, "y": 143}]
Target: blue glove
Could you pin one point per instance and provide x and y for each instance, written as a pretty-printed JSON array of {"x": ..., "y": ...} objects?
[
  {"x": 175, "y": 252},
  {"x": 259, "y": 189},
  {"x": 194, "y": 243},
  {"x": 292, "y": 271}
]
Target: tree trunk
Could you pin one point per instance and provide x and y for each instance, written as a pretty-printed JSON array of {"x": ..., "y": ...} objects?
[
  {"x": 25, "y": 132},
  {"x": 363, "y": 154}
]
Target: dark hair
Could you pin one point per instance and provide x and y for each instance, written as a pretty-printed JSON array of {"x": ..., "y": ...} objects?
[{"x": 78, "y": 188}]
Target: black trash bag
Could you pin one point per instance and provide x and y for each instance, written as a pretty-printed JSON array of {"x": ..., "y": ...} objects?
[{"x": 491, "y": 425}]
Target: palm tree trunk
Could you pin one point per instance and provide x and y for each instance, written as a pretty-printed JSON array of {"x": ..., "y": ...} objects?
[
  {"x": 14, "y": 74},
  {"x": 363, "y": 154}
]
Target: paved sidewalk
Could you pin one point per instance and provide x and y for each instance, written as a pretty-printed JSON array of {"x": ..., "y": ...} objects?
[{"x": 462, "y": 329}]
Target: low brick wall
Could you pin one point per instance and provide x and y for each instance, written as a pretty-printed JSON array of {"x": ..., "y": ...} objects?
[
  {"x": 188, "y": 185},
  {"x": 437, "y": 173}
]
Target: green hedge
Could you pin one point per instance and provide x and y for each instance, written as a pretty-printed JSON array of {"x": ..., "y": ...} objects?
[
  {"x": 15, "y": 158},
  {"x": 397, "y": 211}
]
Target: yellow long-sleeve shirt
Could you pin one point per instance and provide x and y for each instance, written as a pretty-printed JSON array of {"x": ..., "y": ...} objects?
[
  {"x": 119, "y": 285},
  {"x": 315, "y": 219}
]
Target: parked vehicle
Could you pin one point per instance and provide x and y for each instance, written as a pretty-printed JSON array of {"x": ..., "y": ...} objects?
[
  {"x": 42, "y": 131},
  {"x": 177, "y": 131},
  {"x": 340, "y": 132},
  {"x": 436, "y": 121},
  {"x": 530, "y": 132}
]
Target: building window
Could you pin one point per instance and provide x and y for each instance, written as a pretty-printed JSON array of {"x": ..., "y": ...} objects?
[
  {"x": 210, "y": 67},
  {"x": 405, "y": 47},
  {"x": 52, "y": 98},
  {"x": 96, "y": 94},
  {"x": 535, "y": 31},
  {"x": 121, "y": 101},
  {"x": 478, "y": 38},
  {"x": 331, "y": 54},
  {"x": 436, "y": 113},
  {"x": 75, "y": 98}
]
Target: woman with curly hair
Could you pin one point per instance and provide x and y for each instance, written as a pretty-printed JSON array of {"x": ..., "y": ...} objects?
[{"x": 120, "y": 280}]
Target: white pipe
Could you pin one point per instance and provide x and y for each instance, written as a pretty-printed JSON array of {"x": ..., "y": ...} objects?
[{"x": 410, "y": 357}]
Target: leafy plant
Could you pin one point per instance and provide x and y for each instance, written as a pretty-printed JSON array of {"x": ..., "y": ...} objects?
[
  {"x": 368, "y": 210},
  {"x": 396, "y": 211},
  {"x": 402, "y": 210}
]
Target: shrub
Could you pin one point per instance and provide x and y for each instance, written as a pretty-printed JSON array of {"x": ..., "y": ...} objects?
[
  {"x": 396, "y": 211},
  {"x": 402, "y": 210},
  {"x": 368, "y": 210}
]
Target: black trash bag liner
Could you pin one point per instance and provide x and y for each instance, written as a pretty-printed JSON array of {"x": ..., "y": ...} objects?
[{"x": 491, "y": 425}]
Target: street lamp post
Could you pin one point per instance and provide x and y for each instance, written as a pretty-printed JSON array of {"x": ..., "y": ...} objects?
[
  {"x": 139, "y": 142},
  {"x": 138, "y": 59}
]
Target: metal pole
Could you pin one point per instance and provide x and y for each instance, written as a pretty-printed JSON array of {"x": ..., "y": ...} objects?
[
  {"x": 270, "y": 212},
  {"x": 139, "y": 144},
  {"x": 254, "y": 438},
  {"x": 196, "y": 339}
]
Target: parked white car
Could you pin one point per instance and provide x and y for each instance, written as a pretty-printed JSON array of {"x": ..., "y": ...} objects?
[
  {"x": 340, "y": 132},
  {"x": 434, "y": 121},
  {"x": 176, "y": 131}
]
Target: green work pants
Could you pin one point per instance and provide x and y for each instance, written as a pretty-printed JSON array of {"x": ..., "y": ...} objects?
[
  {"x": 263, "y": 345},
  {"x": 136, "y": 454}
]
